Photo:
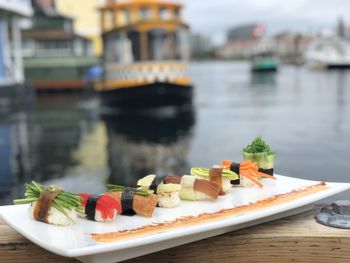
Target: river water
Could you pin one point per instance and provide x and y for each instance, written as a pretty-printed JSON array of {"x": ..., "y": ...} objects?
[{"x": 69, "y": 140}]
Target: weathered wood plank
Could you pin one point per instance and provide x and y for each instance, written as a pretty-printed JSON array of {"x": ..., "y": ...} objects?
[{"x": 297, "y": 238}]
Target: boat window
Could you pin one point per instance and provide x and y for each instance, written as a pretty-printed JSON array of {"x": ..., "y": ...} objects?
[
  {"x": 134, "y": 38},
  {"x": 109, "y": 20},
  {"x": 145, "y": 13},
  {"x": 176, "y": 13},
  {"x": 53, "y": 44},
  {"x": 161, "y": 45},
  {"x": 164, "y": 13},
  {"x": 124, "y": 16},
  {"x": 119, "y": 48},
  {"x": 183, "y": 45}
]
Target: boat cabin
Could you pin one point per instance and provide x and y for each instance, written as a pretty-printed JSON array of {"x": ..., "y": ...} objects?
[{"x": 144, "y": 42}]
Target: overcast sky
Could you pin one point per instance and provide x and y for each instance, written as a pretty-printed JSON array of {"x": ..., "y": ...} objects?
[{"x": 214, "y": 17}]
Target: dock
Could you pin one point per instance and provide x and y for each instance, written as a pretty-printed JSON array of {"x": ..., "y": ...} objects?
[{"x": 293, "y": 239}]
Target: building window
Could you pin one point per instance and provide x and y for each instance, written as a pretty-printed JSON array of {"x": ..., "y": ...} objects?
[{"x": 53, "y": 45}]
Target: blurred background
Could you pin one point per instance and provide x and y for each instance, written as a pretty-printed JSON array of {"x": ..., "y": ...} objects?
[{"x": 97, "y": 91}]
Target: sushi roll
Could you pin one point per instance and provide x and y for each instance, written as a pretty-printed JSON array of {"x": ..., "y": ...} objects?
[
  {"x": 223, "y": 177},
  {"x": 100, "y": 208},
  {"x": 260, "y": 153},
  {"x": 133, "y": 201},
  {"x": 249, "y": 174},
  {"x": 50, "y": 204},
  {"x": 168, "y": 194},
  {"x": 194, "y": 189}
]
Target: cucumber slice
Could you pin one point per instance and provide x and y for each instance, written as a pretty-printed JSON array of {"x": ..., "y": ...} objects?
[
  {"x": 263, "y": 160},
  {"x": 204, "y": 172},
  {"x": 187, "y": 192},
  {"x": 146, "y": 181}
]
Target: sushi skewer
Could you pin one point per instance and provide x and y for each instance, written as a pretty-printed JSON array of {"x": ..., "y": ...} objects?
[
  {"x": 223, "y": 177},
  {"x": 133, "y": 201},
  {"x": 168, "y": 194},
  {"x": 247, "y": 170},
  {"x": 193, "y": 188},
  {"x": 51, "y": 204},
  {"x": 215, "y": 176},
  {"x": 100, "y": 208}
]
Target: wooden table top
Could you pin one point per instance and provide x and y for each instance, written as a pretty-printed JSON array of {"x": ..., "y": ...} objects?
[{"x": 294, "y": 239}]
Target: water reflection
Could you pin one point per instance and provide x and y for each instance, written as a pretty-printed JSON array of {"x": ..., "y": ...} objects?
[
  {"x": 263, "y": 78},
  {"x": 144, "y": 143},
  {"x": 37, "y": 144},
  {"x": 66, "y": 141}
]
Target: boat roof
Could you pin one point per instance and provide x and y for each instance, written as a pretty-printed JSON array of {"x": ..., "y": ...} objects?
[
  {"x": 150, "y": 24},
  {"x": 122, "y": 3},
  {"x": 51, "y": 34},
  {"x": 19, "y": 7}
]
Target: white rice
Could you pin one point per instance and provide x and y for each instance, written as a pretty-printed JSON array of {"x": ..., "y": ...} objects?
[
  {"x": 98, "y": 217},
  {"x": 169, "y": 199},
  {"x": 200, "y": 196},
  {"x": 245, "y": 182},
  {"x": 226, "y": 184},
  {"x": 55, "y": 217}
]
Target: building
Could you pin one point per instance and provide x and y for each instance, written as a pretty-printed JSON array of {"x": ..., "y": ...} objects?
[
  {"x": 244, "y": 40},
  {"x": 56, "y": 57},
  {"x": 86, "y": 19},
  {"x": 291, "y": 46},
  {"x": 201, "y": 46},
  {"x": 11, "y": 13},
  {"x": 247, "y": 32}
]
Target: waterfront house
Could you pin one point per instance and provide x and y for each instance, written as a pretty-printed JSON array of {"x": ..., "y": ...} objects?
[
  {"x": 11, "y": 13},
  {"x": 55, "y": 56}
]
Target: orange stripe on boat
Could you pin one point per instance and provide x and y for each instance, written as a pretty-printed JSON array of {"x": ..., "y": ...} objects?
[{"x": 209, "y": 217}]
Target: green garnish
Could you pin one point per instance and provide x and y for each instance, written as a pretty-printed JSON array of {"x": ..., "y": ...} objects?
[
  {"x": 120, "y": 188},
  {"x": 64, "y": 201},
  {"x": 204, "y": 172},
  {"x": 258, "y": 145}
]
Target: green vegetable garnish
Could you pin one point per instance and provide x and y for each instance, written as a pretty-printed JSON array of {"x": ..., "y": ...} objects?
[
  {"x": 63, "y": 201},
  {"x": 258, "y": 145},
  {"x": 120, "y": 188}
]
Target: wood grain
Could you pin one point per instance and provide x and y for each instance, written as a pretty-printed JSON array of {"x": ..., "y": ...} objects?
[{"x": 293, "y": 239}]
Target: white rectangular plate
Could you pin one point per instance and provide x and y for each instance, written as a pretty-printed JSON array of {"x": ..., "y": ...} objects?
[{"x": 74, "y": 241}]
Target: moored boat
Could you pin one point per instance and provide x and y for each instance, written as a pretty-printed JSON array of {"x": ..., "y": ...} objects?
[
  {"x": 145, "y": 54},
  {"x": 264, "y": 62},
  {"x": 329, "y": 53}
]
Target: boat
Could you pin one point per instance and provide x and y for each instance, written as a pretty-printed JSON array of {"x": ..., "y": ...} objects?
[
  {"x": 146, "y": 51},
  {"x": 264, "y": 62},
  {"x": 328, "y": 53},
  {"x": 55, "y": 56}
]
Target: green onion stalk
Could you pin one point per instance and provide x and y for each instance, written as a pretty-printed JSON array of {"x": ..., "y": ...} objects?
[
  {"x": 120, "y": 188},
  {"x": 64, "y": 200}
]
